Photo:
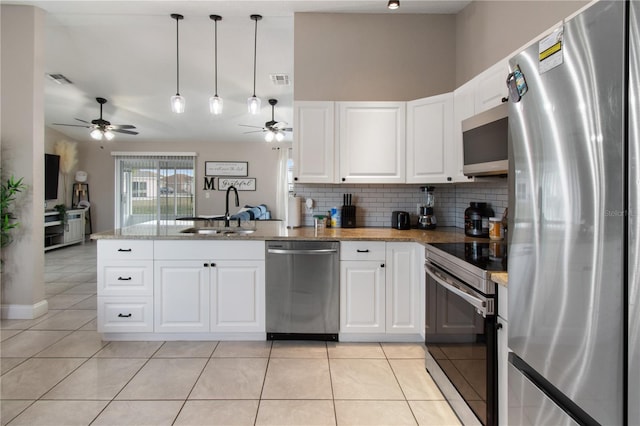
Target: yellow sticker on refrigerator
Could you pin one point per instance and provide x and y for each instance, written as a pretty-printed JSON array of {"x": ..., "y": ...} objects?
[{"x": 550, "y": 50}]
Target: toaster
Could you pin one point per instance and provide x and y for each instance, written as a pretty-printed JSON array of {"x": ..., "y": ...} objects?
[{"x": 400, "y": 220}]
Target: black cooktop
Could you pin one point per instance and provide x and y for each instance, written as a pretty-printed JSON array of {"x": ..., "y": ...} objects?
[{"x": 488, "y": 256}]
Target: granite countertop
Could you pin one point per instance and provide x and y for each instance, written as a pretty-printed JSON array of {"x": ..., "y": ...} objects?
[
  {"x": 500, "y": 278},
  {"x": 171, "y": 230}
]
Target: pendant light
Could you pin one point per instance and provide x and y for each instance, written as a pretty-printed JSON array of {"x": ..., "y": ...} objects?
[
  {"x": 253, "y": 103},
  {"x": 393, "y": 4},
  {"x": 215, "y": 102},
  {"x": 177, "y": 101}
]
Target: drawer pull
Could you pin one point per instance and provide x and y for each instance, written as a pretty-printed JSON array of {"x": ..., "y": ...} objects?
[
  {"x": 124, "y": 250},
  {"x": 363, "y": 251},
  {"x": 124, "y": 316},
  {"x": 124, "y": 278}
]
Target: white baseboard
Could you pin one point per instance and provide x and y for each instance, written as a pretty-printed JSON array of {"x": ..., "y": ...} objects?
[{"x": 13, "y": 311}]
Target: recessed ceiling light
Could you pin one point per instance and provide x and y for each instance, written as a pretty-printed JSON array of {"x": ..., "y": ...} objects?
[{"x": 393, "y": 4}]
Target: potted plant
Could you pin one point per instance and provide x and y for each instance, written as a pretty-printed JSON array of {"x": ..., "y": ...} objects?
[
  {"x": 9, "y": 190},
  {"x": 62, "y": 213}
]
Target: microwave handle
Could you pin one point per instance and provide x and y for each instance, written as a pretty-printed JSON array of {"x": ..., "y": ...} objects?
[{"x": 479, "y": 304}]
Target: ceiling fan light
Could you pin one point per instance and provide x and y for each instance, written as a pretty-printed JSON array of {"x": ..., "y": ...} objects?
[
  {"x": 96, "y": 134},
  {"x": 279, "y": 136},
  {"x": 177, "y": 104},
  {"x": 253, "y": 105},
  {"x": 215, "y": 105},
  {"x": 109, "y": 135},
  {"x": 269, "y": 136},
  {"x": 393, "y": 4}
]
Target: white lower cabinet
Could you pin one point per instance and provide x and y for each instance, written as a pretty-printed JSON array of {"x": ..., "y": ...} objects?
[
  {"x": 181, "y": 296},
  {"x": 362, "y": 296},
  {"x": 404, "y": 288},
  {"x": 125, "y": 314},
  {"x": 125, "y": 286},
  {"x": 158, "y": 287},
  {"x": 381, "y": 291},
  {"x": 238, "y": 296}
]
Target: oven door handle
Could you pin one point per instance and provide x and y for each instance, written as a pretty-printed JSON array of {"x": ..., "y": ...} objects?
[{"x": 479, "y": 304}]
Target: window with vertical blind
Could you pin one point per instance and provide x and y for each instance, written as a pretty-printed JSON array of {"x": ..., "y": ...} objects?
[{"x": 152, "y": 187}]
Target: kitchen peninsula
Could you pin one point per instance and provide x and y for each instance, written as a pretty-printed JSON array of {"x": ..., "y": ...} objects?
[{"x": 158, "y": 282}]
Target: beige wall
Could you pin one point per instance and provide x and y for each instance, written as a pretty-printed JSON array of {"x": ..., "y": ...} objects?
[
  {"x": 99, "y": 164},
  {"x": 22, "y": 138},
  {"x": 487, "y": 31},
  {"x": 372, "y": 57}
]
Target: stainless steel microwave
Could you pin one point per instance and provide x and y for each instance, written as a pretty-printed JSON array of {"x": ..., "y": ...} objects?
[{"x": 485, "y": 142}]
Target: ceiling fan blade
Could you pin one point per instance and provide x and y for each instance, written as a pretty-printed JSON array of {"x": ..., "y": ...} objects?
[
  {"x": 121, "y": 126},
  {"x": 83, "y": 121},
  {"x": 128, "y": 132},
  {"x": 252, "y": 131},
  {"x": 280, "y": 124},
  {"x": 287, "y": 129},
  {"x": 247, "y": 125},
  {"x": 70, "y": 125}
]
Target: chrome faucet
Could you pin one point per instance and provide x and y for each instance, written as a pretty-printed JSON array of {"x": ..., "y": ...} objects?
[{"x": 226, "y": 213}]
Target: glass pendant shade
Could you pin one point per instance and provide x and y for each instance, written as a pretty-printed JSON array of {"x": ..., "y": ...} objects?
[
  {"x": 279, "y": 136},
  {"x": 108, "y": 135},
  {"x": 269, "y": 136},
  {"x": 177, "y": 104},
  {"x": 253, "y": 105},
  {"x": 393, "y": 4},
  {"x": 96, "y": 134},
  {"x": 215, "y": 105},
  {"x": 177, "y": 101}
]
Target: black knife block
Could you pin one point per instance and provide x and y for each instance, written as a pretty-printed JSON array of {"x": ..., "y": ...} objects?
[{"x": 348, "y": 216}]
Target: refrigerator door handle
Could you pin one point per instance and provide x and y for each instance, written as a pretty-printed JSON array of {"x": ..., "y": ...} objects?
[{"x": 479, "y": 304}]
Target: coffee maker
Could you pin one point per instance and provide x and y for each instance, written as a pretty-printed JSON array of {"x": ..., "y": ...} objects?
[{"x": 426, "y": 218}]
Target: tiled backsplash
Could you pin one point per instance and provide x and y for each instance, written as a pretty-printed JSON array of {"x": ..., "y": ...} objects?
[{"x": 376, "y": 202}]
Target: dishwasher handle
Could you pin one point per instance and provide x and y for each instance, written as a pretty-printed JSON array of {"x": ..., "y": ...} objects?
[
  {"x": 302, "y": 251},
  {"x": 478, "y": 303}
]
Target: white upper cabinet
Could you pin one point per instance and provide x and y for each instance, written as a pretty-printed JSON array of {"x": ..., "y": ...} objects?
[
  {"x": 314, "y": 142},
  {"x": 430, "y": 158},
  {"x": 371, "y": 137},
  {"x": 491, "y": 86},
  {"x": 463, "y": 108}
]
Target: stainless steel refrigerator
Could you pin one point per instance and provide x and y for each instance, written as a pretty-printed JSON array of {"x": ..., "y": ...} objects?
[{"x": 575, "y": 236}]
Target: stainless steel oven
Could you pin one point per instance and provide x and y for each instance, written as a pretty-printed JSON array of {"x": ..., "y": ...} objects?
[{"x": 460, "y": 328}]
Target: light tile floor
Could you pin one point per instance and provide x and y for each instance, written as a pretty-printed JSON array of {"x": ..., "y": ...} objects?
[{"x": 56, "y": 370}]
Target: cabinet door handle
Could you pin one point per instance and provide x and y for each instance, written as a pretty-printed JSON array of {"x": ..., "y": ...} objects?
[
  {"x": 362, "y": 251},
  {"x": 124, "y": 278},
  {"x": 124, "y": 315},
  {"x": 124, "y": 250},
  {"x": 382, "y": 265},
  {"x": 213, "y": 265},
  {"x": 206, "y": 265}
]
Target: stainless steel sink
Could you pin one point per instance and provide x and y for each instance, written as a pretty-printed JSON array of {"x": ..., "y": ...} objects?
[{"x": 216, "y": 231}]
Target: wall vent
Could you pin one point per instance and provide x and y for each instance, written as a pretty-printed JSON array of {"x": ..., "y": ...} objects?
[
  {"x": 280, "y": 79},
  {"x": 59, "y": 78}
]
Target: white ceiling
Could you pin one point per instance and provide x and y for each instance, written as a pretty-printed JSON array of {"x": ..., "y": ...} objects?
[{"x": 125, "y": 51}]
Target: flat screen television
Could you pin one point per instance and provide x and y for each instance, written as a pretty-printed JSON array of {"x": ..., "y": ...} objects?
[{"x": 51, "y": 173}]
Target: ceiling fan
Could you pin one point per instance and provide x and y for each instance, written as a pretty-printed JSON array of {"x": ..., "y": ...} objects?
[
  {"x": 101, "y": 128},
  {"x": 274, "y": 129}
]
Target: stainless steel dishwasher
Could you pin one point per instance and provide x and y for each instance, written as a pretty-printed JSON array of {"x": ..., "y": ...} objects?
[{"x": 302, "y": 290}]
